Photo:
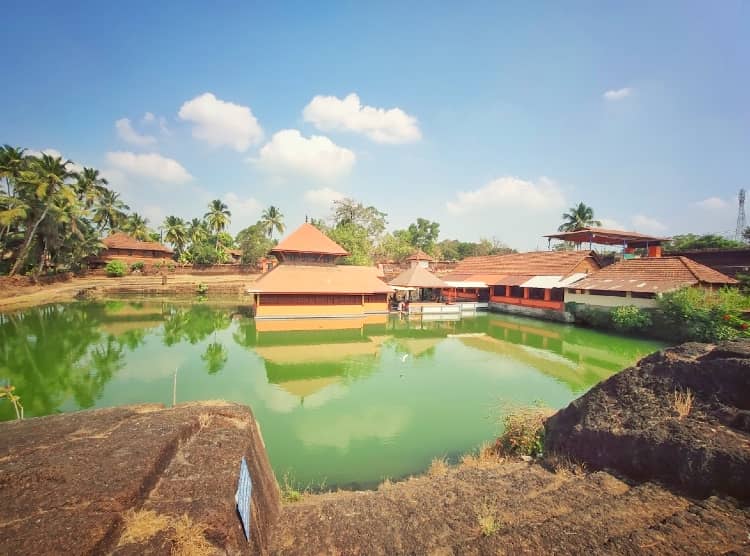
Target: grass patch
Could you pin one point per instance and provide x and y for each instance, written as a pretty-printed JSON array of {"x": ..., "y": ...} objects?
[
  {"x": 290, "y": 490},
  {"x": 438, "y": 467},
  {"x": 189, "y": 538},
  {"x": 683, "y": 402},
  {"x": 523, "y": 433},
  {"x": 487, "y": 519},
  {"x": 484, "y": 456},
  {"x": 142, "y": 525}
]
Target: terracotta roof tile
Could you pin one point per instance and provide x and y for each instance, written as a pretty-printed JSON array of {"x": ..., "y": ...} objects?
[
  {"x": 419, "y": 255},
  {"x": 536, "y": 263},
  {"x": 417, "y": 277},
  {"x": 120, "y": 240},
  {"x": 654, "y": 274},
  {"x": 341, "y": 279},
  {"x": 308, "y": 239}
]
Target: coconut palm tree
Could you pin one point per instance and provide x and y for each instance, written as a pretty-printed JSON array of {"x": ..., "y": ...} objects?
[
  {"x": 273, "y": 220},
  {"x": 109, "y": 211},
  {"x": 12, "y": 161},
  {"x": 217, "y": 217},
  {"x": 578, "y": 217},
  {"x": 90, "y": 186},
  {"x": 42, "y": 184},
  {"x": 137, "y": 227},
  {"x": 197, "y": 231},
  {"x": 175, "y": 233}
]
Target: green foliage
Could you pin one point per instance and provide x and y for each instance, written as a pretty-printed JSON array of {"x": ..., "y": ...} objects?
[
  {"x": 630, "y": 318},
  {"x": 204, "y": 254},
  {"x": 709, "y": 241},
  {"x": 393, "y": 248},
  {"x": 420, "y": 235},
  {"x": 136, "y": 266},
  {"x": 455, "y": 250},
  {"x": 590, "y": 316},
  {"x": 698, "y": 314},
  {"x": 202, "y": 289},
  {"x": 255, "y": 243},
  {"x": 355, "y": 240},
  {"x": 523, "y": 432},
  {"x": 116, "y": 268},
  {"x": 272, "y": 221},
  {"x": 7, "y": 393},
  {"x": 577, "y": 217}
]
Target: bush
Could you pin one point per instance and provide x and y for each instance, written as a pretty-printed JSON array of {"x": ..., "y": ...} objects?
[
  {"x": 590, "y": 316},
  {"x": 630, "y": 318},
  {"x": 202, "y": 289},
  {"x": 116, "y": 268},
  {"x": 524, "y": 432},
  {"x": 171, "y": 266},
  {"x": 137, "y": 266},
  {"x": 697, "y": 314}
]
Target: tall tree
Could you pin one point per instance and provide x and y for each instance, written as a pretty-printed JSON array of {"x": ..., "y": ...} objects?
[
  {"x": 217, "y": 217},
  {"x": 109, "y": 211},
  {"x": 421, "y": 234},
  {"x": 578, "y": 217},
  {"x": 175, "y": 233},
  {"x": 197, "y": 231},
  {"x": 273, "y": 221},
  {"x": 42, "y": 183},
  {"x": 136, "y": 226},
  {"x": 90, "y": 186}
]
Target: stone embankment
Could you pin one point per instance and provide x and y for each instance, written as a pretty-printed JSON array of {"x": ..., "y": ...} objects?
[
  {"x": 633, "y": 472},
  {"x": 18, "y": 293}
]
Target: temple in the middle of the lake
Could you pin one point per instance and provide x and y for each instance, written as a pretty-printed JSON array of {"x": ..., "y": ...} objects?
[{"x": 308, "y": 282}]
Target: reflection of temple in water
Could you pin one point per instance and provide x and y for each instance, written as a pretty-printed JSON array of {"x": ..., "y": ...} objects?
[{"x": 304, "y": 357}]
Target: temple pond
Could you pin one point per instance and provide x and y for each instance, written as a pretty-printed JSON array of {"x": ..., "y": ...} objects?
[{"x": 340, "y": 402}]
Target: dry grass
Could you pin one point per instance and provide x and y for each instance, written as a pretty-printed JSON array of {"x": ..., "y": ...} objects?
[
  {"x": 683, "y": 402},
  {"x": 385, "y": 484},
  {"x": 189, "y": 538},
  {"x": 487, "y": 518},
  {"x": 485, "y": 456},
  {"x": 142, "y": 525},
  {"x": 565, "y": 465},
  {"x": 438, "y": 467},
  {"x": 290, "y": 491}
]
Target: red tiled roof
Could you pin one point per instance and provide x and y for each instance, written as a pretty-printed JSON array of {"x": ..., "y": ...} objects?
[
  {"x": 419, "y": 255},
  {"x": 341, "y": 279},
  {"x": 653, "y": 274},
  {"x": 536, "y": 263},
  {"x": 606, "y": 236},
  {"x": 308, "y": 239},
  {"x": 121, "y": 240}
]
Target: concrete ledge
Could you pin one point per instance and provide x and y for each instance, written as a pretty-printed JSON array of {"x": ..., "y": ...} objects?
[
  {"x": 72, "y": 483},
  {"x": 546, "y": 314}
]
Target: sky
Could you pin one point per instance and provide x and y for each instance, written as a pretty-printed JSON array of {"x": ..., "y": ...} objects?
[{"x": 490, "y": 118}]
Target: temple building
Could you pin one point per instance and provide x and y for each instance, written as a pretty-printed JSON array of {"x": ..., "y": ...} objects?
[
  {"x": 629, "y": 241},
  {"x": 308, "y": 282},
  {"x": 531, "y": 284},
  {"x": 125, "y": 248},
  {"x": 638, "y": 281}
]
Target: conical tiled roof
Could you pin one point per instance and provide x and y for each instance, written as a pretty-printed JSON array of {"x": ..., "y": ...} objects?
[
  {"x": 308, "y": 239},
  {"x": 417, "y": 277},
  {"x": 419, "y": 255}
]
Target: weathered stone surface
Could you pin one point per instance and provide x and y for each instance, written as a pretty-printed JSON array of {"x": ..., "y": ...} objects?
[
  {"x": 629, "y": 422},
  {"x": 68, "y": 481}
]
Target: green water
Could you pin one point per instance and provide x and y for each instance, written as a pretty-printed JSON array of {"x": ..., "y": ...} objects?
[{"x": 345, "y": 407}]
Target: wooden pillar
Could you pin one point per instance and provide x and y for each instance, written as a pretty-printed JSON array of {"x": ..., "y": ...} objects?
[
  {"x": 526, "y": 293},
  {"x": 507, "y": 291},
  {"x": 547, "y": 294}
]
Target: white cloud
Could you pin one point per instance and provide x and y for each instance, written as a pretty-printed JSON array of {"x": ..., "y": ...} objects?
[
  {"x": 713, "y": 203},
  {"x": 325, "y": 196},
  {"x": 329, "y": 113},
  {"x": 611, "y": 224},
  {"x": 154, "y": 214},
  {"x": 152, "y": 166},
  {"x": 148, "y": 118},
  {"x": 289, "y": 153},
  {"x": 245, "y": 212},
  {"x": 643, "y": 223},
  {"x": 618, "y": 94},
  {"x": 509, "y": 192},
  {"x": 126, "y": 132},
  {"x": 222, "y": 123}
]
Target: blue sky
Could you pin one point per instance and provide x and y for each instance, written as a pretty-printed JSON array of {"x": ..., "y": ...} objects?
[{"x": 491, "y": 119}]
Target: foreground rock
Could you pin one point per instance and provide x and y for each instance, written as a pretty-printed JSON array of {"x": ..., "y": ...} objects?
[
  {"x": 512, "y": 508},
  {"x": 630, "y": 423},
  {"x": 133, "y": 480}
]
